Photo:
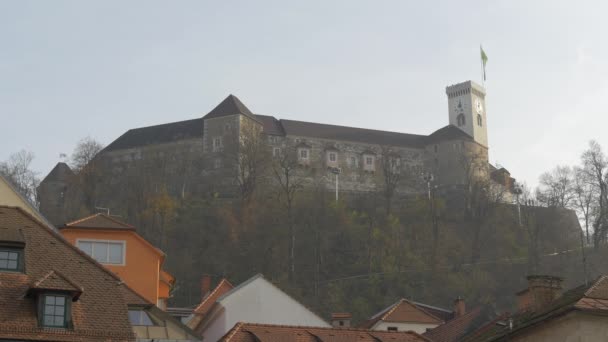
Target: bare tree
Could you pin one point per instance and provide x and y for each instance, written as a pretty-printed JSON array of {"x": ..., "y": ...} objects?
[
  {"x": 584, "y": 200},
  {"x": 284, "y": 169},
  {"x": 86, "y": 149},
  {"x": 556, "y": 188},
  {"x": 595, "y": 165},
  {"x": 17, "y": 170}
]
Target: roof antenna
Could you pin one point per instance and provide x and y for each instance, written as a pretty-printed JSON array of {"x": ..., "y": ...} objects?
[{"x": 106, "y": 209}]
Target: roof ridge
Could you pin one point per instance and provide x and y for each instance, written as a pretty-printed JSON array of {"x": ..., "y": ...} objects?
[
  {"x": 342, "y": 126},
  {"x": 63, "y": 240},
  {"x": 82, "y": 219},
  {"x": 212, "y": 293},
  {"x": 325, "y": 328},
  {"x": 601, "y": 279}
]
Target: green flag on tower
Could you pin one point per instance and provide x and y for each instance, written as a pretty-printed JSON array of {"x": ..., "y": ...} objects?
[{"x": 484, "y": 60}]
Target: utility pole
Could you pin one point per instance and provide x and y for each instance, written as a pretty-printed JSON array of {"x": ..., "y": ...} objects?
[{"x": 336, "y": 171}]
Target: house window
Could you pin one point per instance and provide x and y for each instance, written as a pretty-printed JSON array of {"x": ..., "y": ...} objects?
[
  {"x": 391, "y": 329},
  {"x": 140, "y": 317},
  {"x": 106, "y": 252},
  {"x": 460, "y": 119},
  {"x": 352, "y": 162},
  {"x": 217, "y": 144},
  {"x": 304, "y": 154},
  {"x": 54, "y": 310},
  {"x": 11, "y": 259},
  {"x": 479, "y": 120}
]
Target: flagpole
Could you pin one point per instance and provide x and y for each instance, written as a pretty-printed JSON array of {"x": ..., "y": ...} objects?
[{"x": 483, "y": 81}]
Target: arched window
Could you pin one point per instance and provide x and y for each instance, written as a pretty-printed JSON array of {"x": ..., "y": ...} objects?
[
  {"x": 479, "y": 120},
  {"x": 460, "y": 120}
]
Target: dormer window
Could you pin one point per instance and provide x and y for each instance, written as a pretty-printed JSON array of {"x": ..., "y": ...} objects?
[
  {"x": 54, "y": 310},
  {"x": 11, "y": 259}
]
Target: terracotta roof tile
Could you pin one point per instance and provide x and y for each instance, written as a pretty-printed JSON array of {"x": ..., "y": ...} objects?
[
  {"x": 207, "y": 303},
  {"x": 402, "y": 311},
  {"x": 250, "y": 332},
  {"x": 458, "y": 327},
  {"x": 45, "y": 250},
  {"x": 98, "y": 221},
  {"x": 54, "y": 280}
]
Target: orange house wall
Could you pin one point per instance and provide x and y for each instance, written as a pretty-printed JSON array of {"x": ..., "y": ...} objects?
[{"x": 142, "y": 263}]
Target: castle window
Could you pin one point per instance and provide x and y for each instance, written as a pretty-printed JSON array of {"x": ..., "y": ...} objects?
[
  {"x": 303, "y": 155},
  {"x": 436, "y": 148},
  {"x": 276, "y": 152},
  {"x": 332, "y": 158},
  {"x": 352, "y": 162},
  {"x": 460, "y": 120},
  {"x": 226, "y": 127},
  {"x": 369, "y": 163},
  {"x": 272, "y": 139},
  {"x": 217, "y": 144},
  {"x": 479, "y": 120},
  {"x": 217, "y": 163},
  {"x": 106, "y": 252}
]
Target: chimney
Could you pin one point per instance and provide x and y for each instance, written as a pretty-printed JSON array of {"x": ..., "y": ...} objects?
[
  {"x": 459, "y": 307},
  {"x": 341, "y": 319},
  {"x": 541, "y": 291},
  {"x": 205, "y": 285}
]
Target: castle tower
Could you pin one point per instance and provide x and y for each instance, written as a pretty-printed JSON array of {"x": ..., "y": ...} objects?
[{"x": 467, "y": 109}]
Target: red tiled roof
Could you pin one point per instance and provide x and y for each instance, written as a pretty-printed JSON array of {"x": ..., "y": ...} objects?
[
  {"x": 402, "y": 311},
  {"x": 458, "y": 327},
  {"x": 54, "y": 280},
  {"x": 44, "y": 251},
  {"x": 99, "y": 221},
  {"x": 207, "y": 303},
  {"x": 250, "y": 332}
]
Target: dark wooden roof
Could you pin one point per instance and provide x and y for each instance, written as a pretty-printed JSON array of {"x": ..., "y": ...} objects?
[
  {"x": 459, "y": 327},
  {"x": 449, "y": 132}
]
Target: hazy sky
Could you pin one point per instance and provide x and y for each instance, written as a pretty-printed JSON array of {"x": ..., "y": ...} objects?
[{"x": 70, "y": 69}]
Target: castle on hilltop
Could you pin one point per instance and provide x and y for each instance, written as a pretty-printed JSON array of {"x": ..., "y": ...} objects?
[{"x": 198, "y": 156}]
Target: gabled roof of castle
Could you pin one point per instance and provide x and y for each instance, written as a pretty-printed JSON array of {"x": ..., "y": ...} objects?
[
  {"x": 159, "y": 134},
  {"x": 361, "y": 135},
  {"x": 230, "y": 106},
  {"x": 448, "y": 132},
  {"x": 60, "y": 172}
]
